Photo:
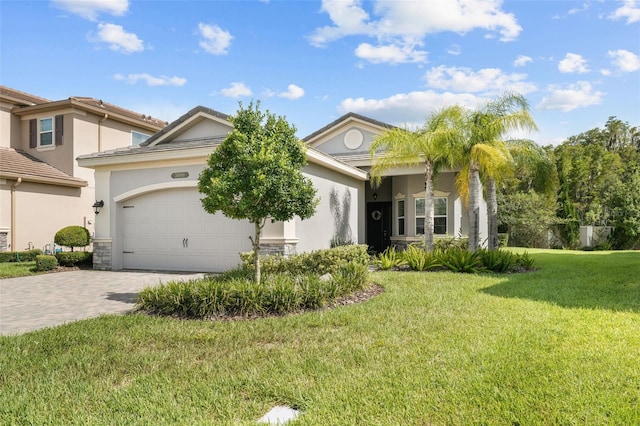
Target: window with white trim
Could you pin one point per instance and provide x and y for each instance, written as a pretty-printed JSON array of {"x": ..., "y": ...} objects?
[
  {"x": 137, "y": 137},
  {"x": 439, "y": 216},
  {"x": 400, "y": 216},
  {"x": 45, "y": 136}
]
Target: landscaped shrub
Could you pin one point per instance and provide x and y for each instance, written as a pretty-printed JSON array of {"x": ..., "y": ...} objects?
[
  {"x": 232, "y": 294},
  {"x": 503, "y": 240},
  {"x": 525, "y": 261},
  {"x": 73, "y": 236},
  {"x": 20, "y": 256},
  {"x": 45, "y": 262},
  {"x": 447, "y": 243},
  {"x": 388, "y": 259},
  {"x": 74, "y": 258},
  {"x": 318, "y": 262},
  {"x": 461, "y": 260},
  {"x": 500, "y": 261},
  {"x": 419, "y": 259}
]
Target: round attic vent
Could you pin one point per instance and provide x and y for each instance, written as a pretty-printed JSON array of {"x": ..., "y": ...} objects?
[{"x": 353, "y": 139}]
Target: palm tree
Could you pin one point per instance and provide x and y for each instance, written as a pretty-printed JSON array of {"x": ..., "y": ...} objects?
[
  {"x": 485, "y": 154},
  {"x": 434, "y": 146}
]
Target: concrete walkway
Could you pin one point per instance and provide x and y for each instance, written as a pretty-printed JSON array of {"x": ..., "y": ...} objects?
[{"x": 30, "y": 303}]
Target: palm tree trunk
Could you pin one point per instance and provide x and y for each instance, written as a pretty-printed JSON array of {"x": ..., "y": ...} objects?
[
  {"x": 428, "y": 206},
  {"x": 492, "y": 217},
  {"x": 474, "y": 206}
]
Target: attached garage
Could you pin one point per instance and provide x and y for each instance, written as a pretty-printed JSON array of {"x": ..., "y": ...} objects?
[
  {"x": 169, "y": 230},
  {"x": 152, "y": 217}
]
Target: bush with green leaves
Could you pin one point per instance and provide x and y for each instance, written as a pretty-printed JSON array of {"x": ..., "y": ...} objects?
[
  {"x": 45, "y": 262},
  {"x": 499, "y": 261},
  {"x": 73, "y": 236},
  {"x": 19, "y": 256},
  {"x": 419, "y": 259},
  {"x": 447, "y": 243},
  {"x": 525, "y": 261},
  {"x": 235, "y": 294},
  {"x": 318, "y": 262},
  {"x": 389, "y": 259},
  {"x": 461, "y": 260},
  {"x": 75, "y": 258}
]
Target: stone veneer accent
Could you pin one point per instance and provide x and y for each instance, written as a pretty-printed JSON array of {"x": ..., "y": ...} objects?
[
  {"x": 283, "y": 249},
  {"x": 102, "y": 255}
]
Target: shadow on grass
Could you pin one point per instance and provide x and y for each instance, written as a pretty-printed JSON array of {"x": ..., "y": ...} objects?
[{"x": 595, "y": 280}]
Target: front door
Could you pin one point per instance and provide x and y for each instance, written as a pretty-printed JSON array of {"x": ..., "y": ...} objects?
[{"x": 379, "y": 225}]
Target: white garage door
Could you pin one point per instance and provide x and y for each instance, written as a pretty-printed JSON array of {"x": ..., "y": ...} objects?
[{"x": 169, "y": 230}]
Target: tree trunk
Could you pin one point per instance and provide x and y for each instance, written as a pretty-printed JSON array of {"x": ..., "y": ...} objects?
[
  {"x": 474, "y": 207},
  {"x": 256, "y": 251},
  {"x": 492, "y": 214},
  {"x": 428, "y": 206}
]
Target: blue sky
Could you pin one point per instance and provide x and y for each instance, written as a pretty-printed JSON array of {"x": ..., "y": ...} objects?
[{"x": 577, "y": 62}]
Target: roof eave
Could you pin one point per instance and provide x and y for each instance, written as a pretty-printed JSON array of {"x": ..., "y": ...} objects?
[{"x": 76, "y": 183}]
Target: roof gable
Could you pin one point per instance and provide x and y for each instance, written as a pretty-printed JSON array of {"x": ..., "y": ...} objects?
[
  {"x": 199, "y": 123},
  {"x": 348, "y": 137}
]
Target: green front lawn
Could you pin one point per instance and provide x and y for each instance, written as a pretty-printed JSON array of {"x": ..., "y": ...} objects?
[
  {"x": 560, "y": 345},
  {"x": 15, "y": 269}
]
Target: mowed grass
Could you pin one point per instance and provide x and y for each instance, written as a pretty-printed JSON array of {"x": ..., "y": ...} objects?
[
  {"x": 560, "y": 345},
  {"x": 17, "y": 269}
]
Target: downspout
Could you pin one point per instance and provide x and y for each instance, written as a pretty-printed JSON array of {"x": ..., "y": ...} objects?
[
  {"x": 13, "y": 213},
  {"x": 100, "y": 131}
]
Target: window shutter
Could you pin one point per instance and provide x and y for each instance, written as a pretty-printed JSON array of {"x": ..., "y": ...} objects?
[
  {"x": 33, "y": 133},
  {"x": 58, "y": 128}
]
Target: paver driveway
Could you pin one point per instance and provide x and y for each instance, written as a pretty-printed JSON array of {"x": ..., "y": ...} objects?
[{"x": 30, "y": 303}]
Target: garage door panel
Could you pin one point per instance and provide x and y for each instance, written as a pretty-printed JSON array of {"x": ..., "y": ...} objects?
[{"x": 169, "y": 230}]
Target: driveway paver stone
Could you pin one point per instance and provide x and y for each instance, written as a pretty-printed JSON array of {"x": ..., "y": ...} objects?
[{"x": 39, "y": 301}]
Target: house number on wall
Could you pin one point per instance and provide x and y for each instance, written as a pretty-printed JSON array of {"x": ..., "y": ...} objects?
[{"x": 376, "y": 215}]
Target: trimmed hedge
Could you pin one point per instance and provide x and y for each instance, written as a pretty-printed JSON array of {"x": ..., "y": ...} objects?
[
  {"x": 234, "y": 294},
  {"x": 19, "y": 256},
  {"x": 317, "y": 262},
  {"x": 45, "y": 262},
  {"x": 74, "y": 258},
  {"x": 73, "y": 236}
]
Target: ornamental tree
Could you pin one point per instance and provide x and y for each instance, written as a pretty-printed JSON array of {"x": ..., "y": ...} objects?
[{"x": 256, "y": 174}]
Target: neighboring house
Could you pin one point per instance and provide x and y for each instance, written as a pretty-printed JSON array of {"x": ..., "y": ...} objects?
[
  {"x": 395, "y": 210},
  {"x": 42, "y": 187},
  {"x": 153, "y": 218}
]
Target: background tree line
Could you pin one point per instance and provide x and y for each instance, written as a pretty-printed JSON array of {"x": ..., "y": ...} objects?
[{"x": 590, "y": 179}]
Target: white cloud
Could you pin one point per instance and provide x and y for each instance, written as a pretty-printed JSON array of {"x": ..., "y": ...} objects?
[
  {"x": 293, "y": 92},
  {"x": 90, "y": 9},
  {"x": 454, "y": 50},
  {"x": 630, "y": 10},
  {"x": 522, "y": 60},
  {"x": 118, "y": 39},
  {"x": 408, "y": 108},
  {"x": 236, "y": 90},
  {"x": 214, "y": 40},
  {"x": 402, "y": 24},
  {"x": 573, "y": 63},
  {"x": 574, "y": 96},
  {"x": 151, "y": 80},
  {"x": 584, "y": 7},
  {"x": 624, "y": 60},
  {"x": 487, "y": 81},
  {"x": 605, "y": 72},
  {"x": 393, "y": 54}
]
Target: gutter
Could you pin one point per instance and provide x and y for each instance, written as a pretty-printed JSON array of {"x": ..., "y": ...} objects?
[
  {"x": 100, "y": 131},
  {"x": 13, "y": 213}
]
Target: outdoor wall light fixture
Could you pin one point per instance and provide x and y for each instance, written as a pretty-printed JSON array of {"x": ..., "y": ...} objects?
[{"x": 97, "y": 206}]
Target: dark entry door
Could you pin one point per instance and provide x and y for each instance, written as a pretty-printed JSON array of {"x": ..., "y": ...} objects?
[{"x": 379, "y": 225}]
